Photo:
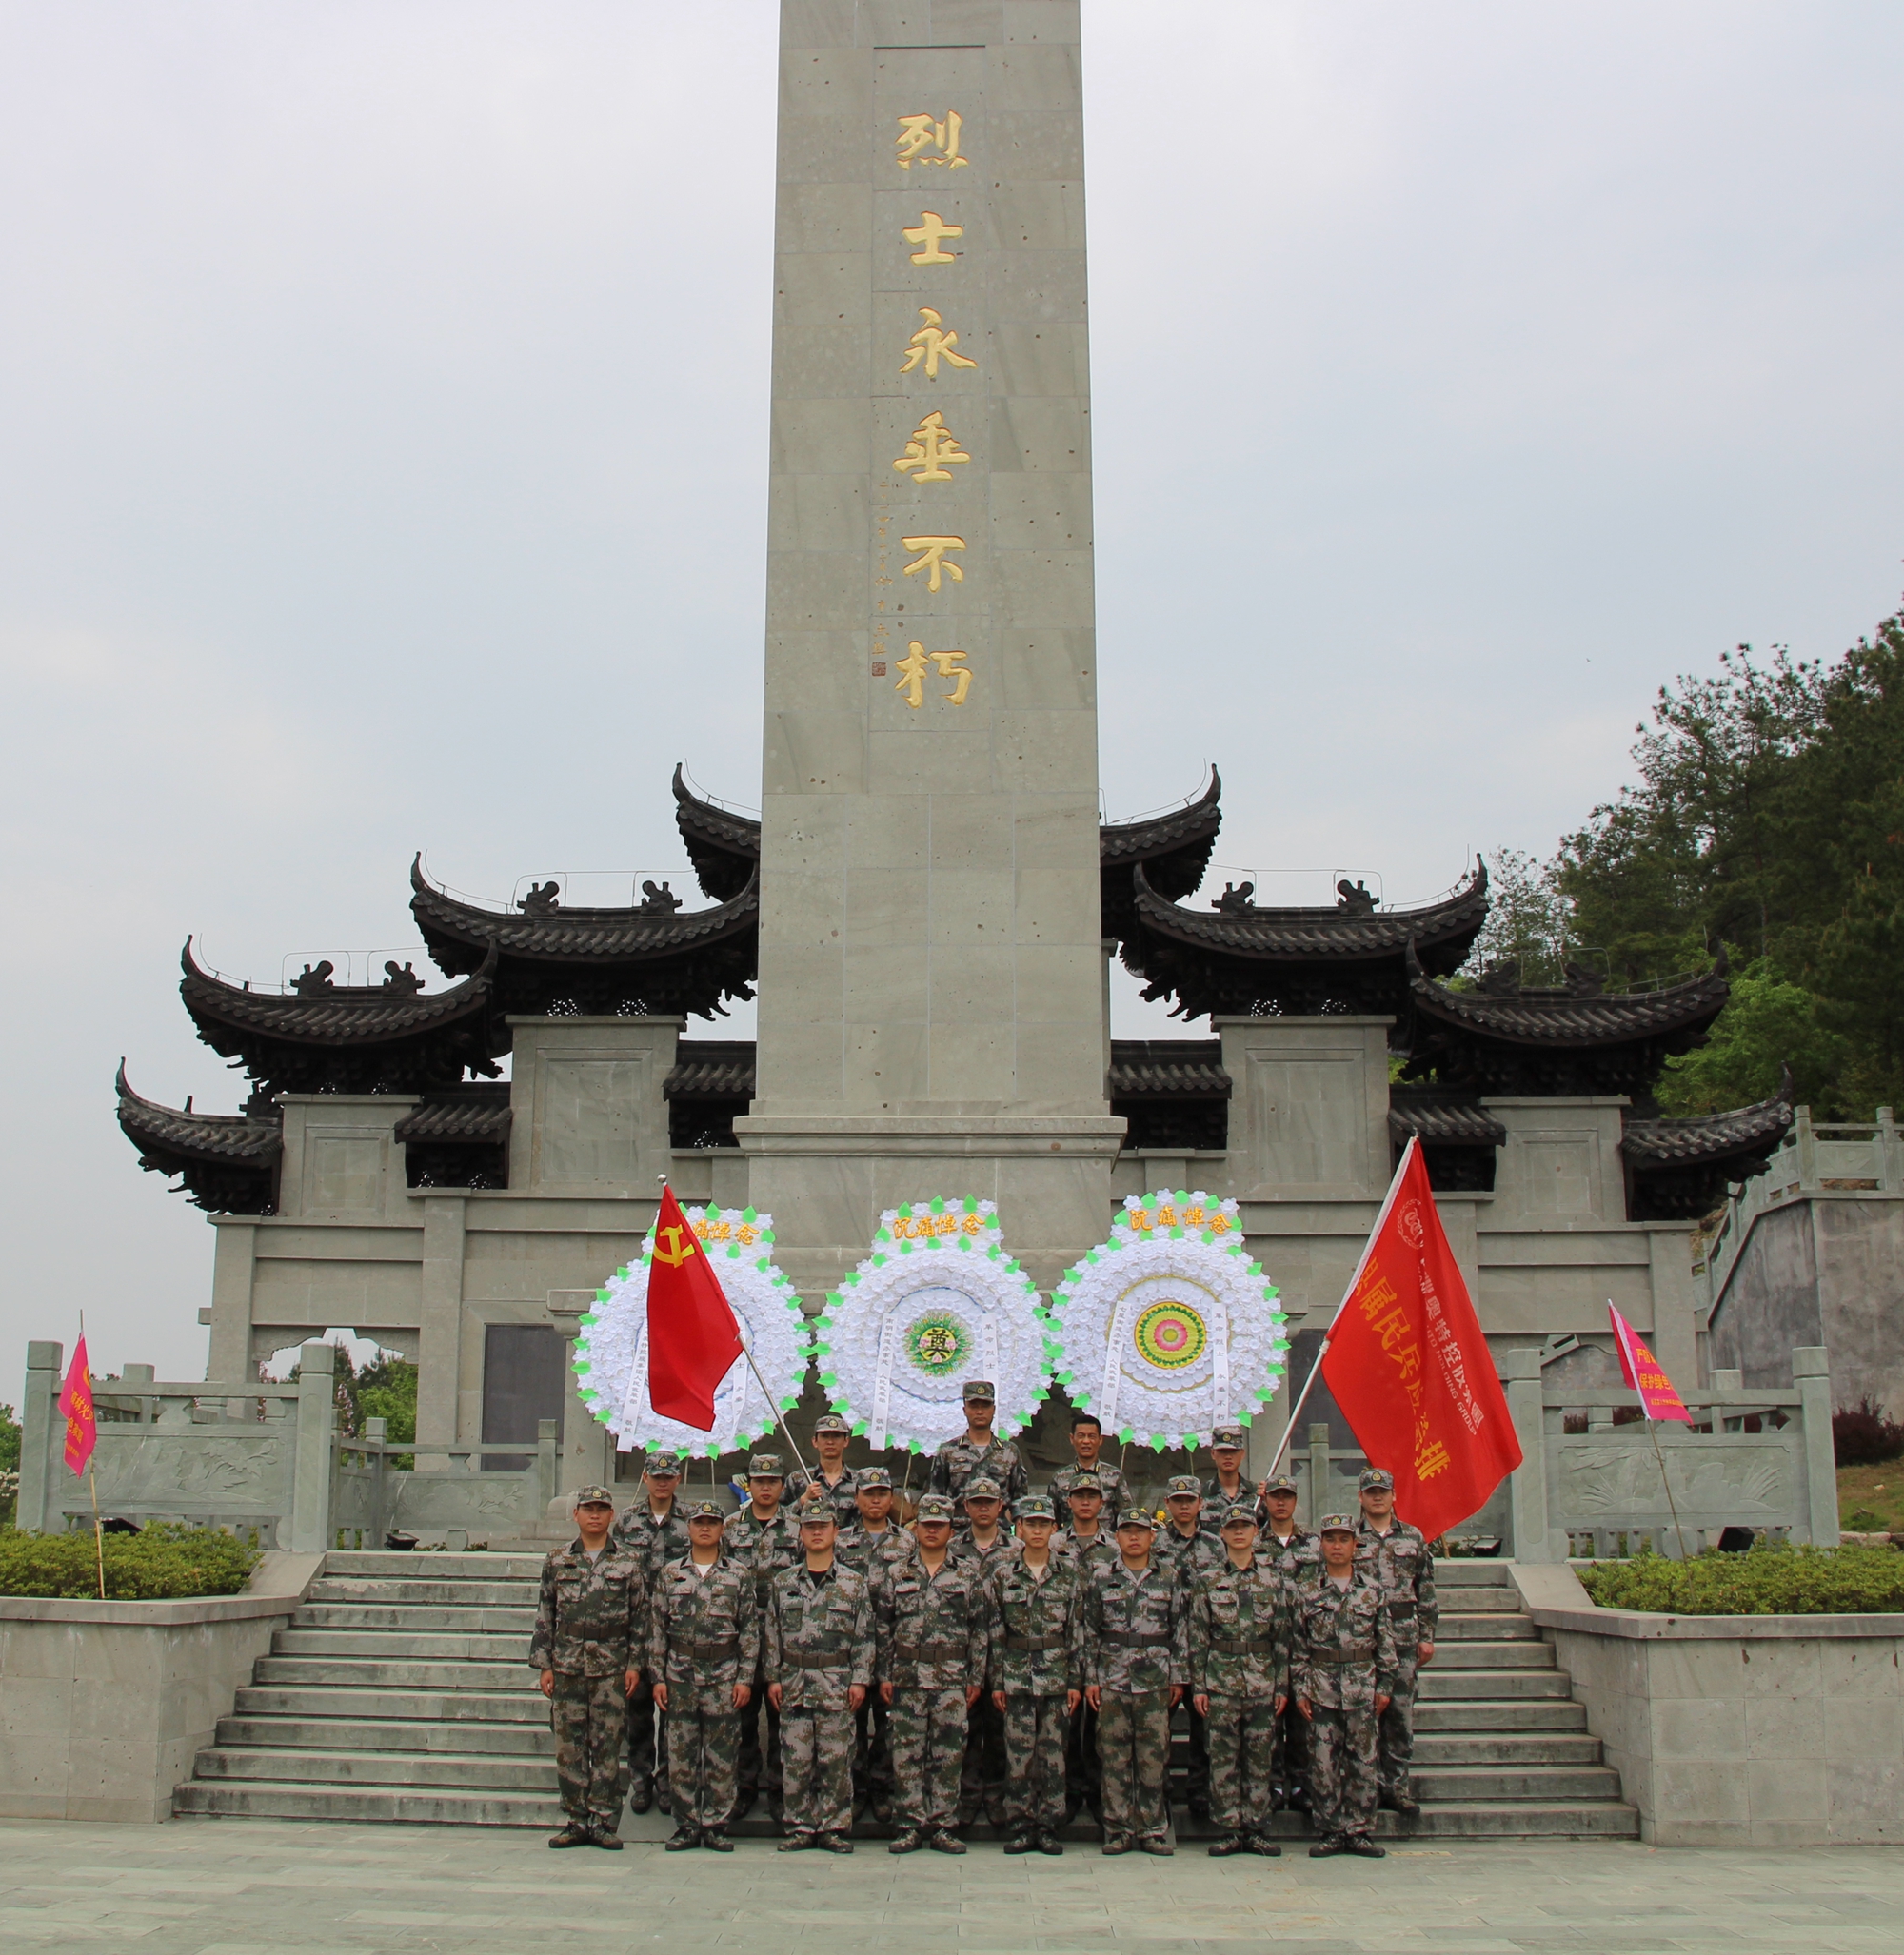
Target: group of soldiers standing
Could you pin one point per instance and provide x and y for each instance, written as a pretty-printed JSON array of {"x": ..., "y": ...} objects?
[{"x": 1012, "y": 1654}]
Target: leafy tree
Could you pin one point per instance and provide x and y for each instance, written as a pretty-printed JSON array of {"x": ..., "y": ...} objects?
[
  {"x": 386, "y": 1389},
  {"x": 1529, "y": 919},
  {"x": 1769, "y": 1024}
]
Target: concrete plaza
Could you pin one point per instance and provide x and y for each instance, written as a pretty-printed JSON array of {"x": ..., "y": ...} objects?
[{"x": 249, "y": 1886}]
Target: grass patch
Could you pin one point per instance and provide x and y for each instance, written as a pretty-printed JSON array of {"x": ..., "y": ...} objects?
[
  {"x": 163, "y": 1562},
  {"x": 1871, "y": 1498},
  {"x": 1772, "y": 1578}
]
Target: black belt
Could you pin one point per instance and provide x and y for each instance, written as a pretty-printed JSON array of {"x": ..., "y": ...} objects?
[
  {"x": 1037, "y": 1643},
  {"x": 1136, "y": 1639},
  {"x": 1333, "y": 1662},
  {"x": 815, "y": 1659},
  {"x": 1257, "y": 1646},
  {"x": 705, "y": 1652},
  {"x": 930, "y": 1652}
]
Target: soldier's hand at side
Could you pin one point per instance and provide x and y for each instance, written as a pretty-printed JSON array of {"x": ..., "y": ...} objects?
[
  {"x": 1307, "y": 1709},
  {"x": 971, "y": 1695},
  {"x": 1425, "y": 1650},
  {"x": 1071, "y": 1702},
  {"x": 629, "y": 1679},
  {"x": 856, "y": 1695},
  {"x": 1281, "y": 1704},
  {"x": 1176, "y": 1695},
  {"x": 1381, "y": 1703},
  {"x": 998, "y": 1699},
  {"x": 1201, "y": 1700},
  {"x": 742, "y": 1692},
  {"x": 773, "y": 1695},
  {"x": 661, "y": 1694},
  {"x": 1094, "y": 1696},
  {"x": 548, "y": 1683}
]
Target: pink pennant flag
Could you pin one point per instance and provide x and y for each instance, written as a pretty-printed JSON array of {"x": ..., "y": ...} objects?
[{"x": 1644, "y": 1373}]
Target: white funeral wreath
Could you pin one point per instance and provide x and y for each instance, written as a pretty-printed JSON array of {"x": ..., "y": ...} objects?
[
  {"x": 937, "y": 1302},
  {"x": 1168, "y": 1329},
  {"x": 611, "y": 1354}
]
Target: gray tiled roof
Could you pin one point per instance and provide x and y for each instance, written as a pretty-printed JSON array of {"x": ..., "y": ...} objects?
[
  {"x": 1168, "y": 1068},
  {"x": 339, "y": 1017},
  {"x": 169, "y": 1132},
  {"x": 479, "y": 1116},
  {"x": 1442, "y": 1122},
  {"x": 1754, "y": 1130}
]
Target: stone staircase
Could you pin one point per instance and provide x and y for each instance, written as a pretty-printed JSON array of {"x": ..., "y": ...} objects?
[{"x": 400, "y": 1692}]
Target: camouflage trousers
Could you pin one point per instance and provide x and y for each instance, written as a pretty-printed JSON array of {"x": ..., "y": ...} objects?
[
  {"x": 982, "y": 1777},
  {"x": 589, "y": 1716},
  {"x": 1395, "y": 1755},
  {"x": 1243, "y": 1742},
  {"x": 1197, "y": 1772},
  {"x": 816, "y": 1758},
  {"x": 704, "y": 1752},
  {"x": 760, "y": 1764},
  {"x": 1134, "y": 1744},
  {"x": 648, "y": 1741},
  {"x": 872, "y": 1755},
  {"x": 928, "y": 1746},
  {"x": 1035, "y": 1731},
  {"x": 1342, "y": 1770}
]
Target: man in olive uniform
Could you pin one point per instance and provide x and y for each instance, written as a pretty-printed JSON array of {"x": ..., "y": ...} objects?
[
  {"x": 592, "y": 1624},
  {"x": 1295, "y": 1553},
  {"x": 1087, "y": 1536},
  {"x": 984, "y": 1546},
  {"x": 1033, "y": 1676},
  {"x": 1087, "y": 1448},
  {"x": 764, "y": 1535},
  {"x": 1133, "y": 1670},
  {"x": 931, "y": 1621},
  {"x": 819, "y": 1667},
  {"x": 1226, "y": 1486},
  {"x": 869, "y": 1548},
  {"x": 1343, "y": 1662},
  {"x": 704, "y": 1651},
  {"x": 1239, "y": 1638},
  {"x": 1088, "y": 1542},
  {"x": 1405, "y": 1568},
  {"x": 652, "y": 1527},
  {"x": 832, "y": 1479},
  {"x": 977, "y": 1450},
  {"x": 1188, "y": 1546}
]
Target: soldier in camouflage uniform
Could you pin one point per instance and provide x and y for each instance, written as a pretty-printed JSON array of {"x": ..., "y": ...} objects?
[
  {"x": 1087, "y": 1447},
  {"x": 977, "y": 1450},
  {"x": 870, "y": 1548},
  {"x": 1033, "y": 1676},
  {"x": 832, "y": 1479},
  {"x": 766, "y": 1537},
  {"x": 1239, "y": 1637},
  {"x": 592, "y": 1625},
  {"x": 1133, "y": 1670},
  {"x": 657, "y": 1533},
  {"x": 1405, "y": 1567},
  {"x": 1295, "y": 1553},
  {"x": 704, "y": 1649},
  {"x": 931, "y": 1619},
  {"x": 1187, "y": 1547},
  {"x": 1342, "y": 1673},
  {"x": 819, "y": 1667},
  {"x": 982, "y": 1779},
  {"x": 1089, "y": 1543},
  {"x": 1226, "y": 1486}
]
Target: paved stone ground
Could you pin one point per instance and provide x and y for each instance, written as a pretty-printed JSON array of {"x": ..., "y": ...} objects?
[{"x": 258, "y": 1886}]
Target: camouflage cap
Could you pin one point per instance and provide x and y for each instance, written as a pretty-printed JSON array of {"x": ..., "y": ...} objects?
[
  {"x": 934, "y": 1506},
  {"x": 662, "y": 1462},
  {"x": 819, "y": 1512},
  {"x": 1036, "y": 1506},
  {"x": 868, "y": 1478},
  {"x": 1086, "y": 1482},
  {"x": 1376, "y": 1480},
  {"x": 982, "y": 1389},
  {"x": 1337, "y": 1524},
  {"x": 831, "y": 1422},
  {"x": 1280, "y": 1483},
  {"x": 1138, "y": 1517},
  {"x": 1240, "y": 1514},
  {"x": 593, "y": 1496},
  {"x": 1184, "y": 1486},
  {"x": 706, "y": 1510},
  {"x": 1226, "y": 1435},
  {"x": 982, "y": 1487},
  {"x": 766, "y": 1466}
]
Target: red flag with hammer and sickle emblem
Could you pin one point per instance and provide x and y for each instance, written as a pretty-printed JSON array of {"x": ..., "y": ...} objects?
[{"x": 693, "y": 1339}]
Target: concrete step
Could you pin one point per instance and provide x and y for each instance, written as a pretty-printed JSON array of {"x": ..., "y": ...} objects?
[
  {"x": 1435, "y": 1749},
  {"x": 402, "y": 1645},
  {"x": 1493, "y": 1653},
  {"x": 411, "y": 1737},
  {"x": 414, "y": 1616},
  {"x": 1437, "y": 1684},
  {"x": 472, "y": 1771},
  {"x": 1555, "y": 1714},
  {"x": 434, "y": 1567},
  {"x": 394, "y": 1594},
  {"x": 1471, "y": 1574},
  {"x": 283, "y": 1799},
  {"x": 1479, "y": 1601},
  {"x": 1486, "y": 1629},
  {"x": 476, "y": 1707},
  {"x": 369, "y": 1672},
  {"x": 1513, "y": 1820},
  {"x": 1468, "y": 1785}
]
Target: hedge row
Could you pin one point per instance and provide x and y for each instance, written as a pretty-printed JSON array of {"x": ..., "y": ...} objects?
[
  {"x": 1771, "y": 1578},
  {"x": 160, "y": 1563}
]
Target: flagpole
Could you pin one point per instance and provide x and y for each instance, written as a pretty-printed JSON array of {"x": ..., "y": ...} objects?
[
  {"x": 1361, "y": 1263},
  {"x": 778, "y": 1414},
  {"x": 1672, "y": 1507}
]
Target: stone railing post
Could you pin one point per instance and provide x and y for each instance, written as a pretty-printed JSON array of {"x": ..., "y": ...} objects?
[
  {"x": 1533, "y": 1539},
  {"x": 1813, "y": 1373},
  {"x": 547, "y": 1484},
  {"x": 375, "y": 1431},
  {"x": 1319, "y": 1473},
  {"x": 1889, "y": 1162},
  {"x": 314, "y": 1464},
  {"x": 39, "y": 1417},
  {"x": 1806, "y": 1143}
]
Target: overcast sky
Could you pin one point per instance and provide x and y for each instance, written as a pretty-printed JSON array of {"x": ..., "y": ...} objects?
[{"x": 383, "y": 461}]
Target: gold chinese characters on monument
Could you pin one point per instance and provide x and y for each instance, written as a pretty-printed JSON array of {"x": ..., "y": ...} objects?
[
  {"x": 930, "y": 448},
  {"x": 929, "y": 346},
  {"x": 913, "y": 667},
  {"x": 929, "y": 233},
  {"x": 932, "y": 557},
  {"x": 920, "y": 135}
]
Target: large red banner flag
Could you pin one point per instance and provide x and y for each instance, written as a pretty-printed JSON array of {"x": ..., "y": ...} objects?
[
  {"x": 1644, "y": 1373},
  {"x": 693, "y": 1339},
  {"x": 1410, "y": 1369},
  {"x": 75, "y": 1403}
]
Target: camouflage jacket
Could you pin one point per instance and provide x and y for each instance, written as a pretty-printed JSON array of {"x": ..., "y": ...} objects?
[
  {"x": 1100, "y": 1552},
  {"x": 1342, "y": 1645},
  {"x": 1034, "y": 1628},
  {"x": 820, "y": 1636},
  {"x": 1401, "y": 1563},
  {"x": 959, "y": 1459},
  {"x": 1116, "y": 1489},
  {"x": 1187, "y": 1560},
  {"x": 1300, "y": 1555},
  {"x": 657, "y": 1542},
  {"x": 1216, "y": 1501},
  {"x": 872, "y": 1554},
  {"x": 765, "y": 1546},
  {"x": 592, "y": 1617},
  {"x": 706, "y": 1628},
  {"x": 1132, "y": 1630},
  {"x": 932, "y": 1630},
  {"x": 986, "y": 1560},
  {"x": 840, "y": 1493},
  {"x": 1239, "y": 1635}
]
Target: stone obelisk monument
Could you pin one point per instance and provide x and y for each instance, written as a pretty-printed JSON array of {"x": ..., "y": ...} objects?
[{"x": 932, "y": 1003}]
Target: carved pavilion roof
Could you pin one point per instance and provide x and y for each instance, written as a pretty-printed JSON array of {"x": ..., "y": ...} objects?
[
  {"x": 229, "y": 1162},
  {"x": 1440, "y": 1119},
  {"x": 711, "y": 1069},
  {"x": 1753, "y": 1131},
  {"x": 1168, "y": 1068}
]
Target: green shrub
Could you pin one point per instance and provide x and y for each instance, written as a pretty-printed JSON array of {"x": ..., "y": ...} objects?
[
  {"x": 1771, "y": 1578},
  {"x": 161, "y": 1562}
]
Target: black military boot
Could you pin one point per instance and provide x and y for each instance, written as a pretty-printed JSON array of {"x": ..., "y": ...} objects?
[
  {"x": 1363, "y": 1848},
  {"x": 1020, "y": 1843},
  {"x": 1328, "y": 1847},
  {"x": 715, "y": 1838},
  {"x": 1225, "y": 1847},
  {"x": 684, "y": 1837},
  {"x": 1050, "y": 1843},
  {"x": 833, "y": 1842},
  {"x": 1261, "y": 1842},
  {"x": 643, "y": 1796},
  {"x": 909, "y": 1842},
  {"x": 571, "y": 1835}
]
